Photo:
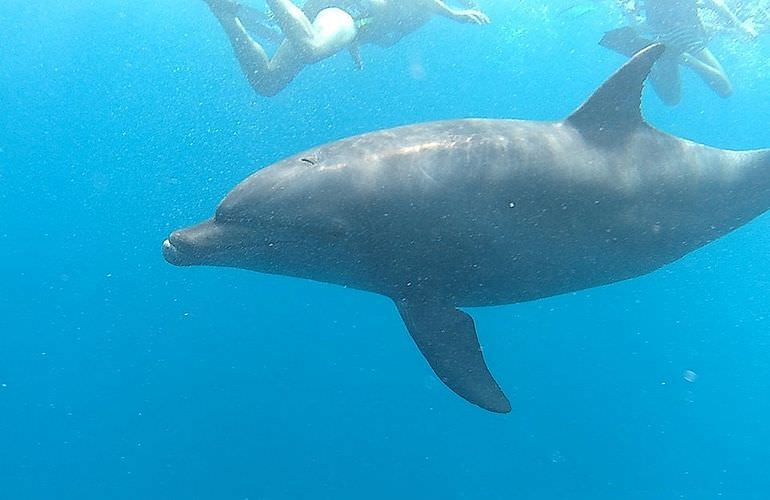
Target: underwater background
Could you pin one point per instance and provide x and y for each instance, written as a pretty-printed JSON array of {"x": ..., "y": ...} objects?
[{"x": 123, "y": 377}]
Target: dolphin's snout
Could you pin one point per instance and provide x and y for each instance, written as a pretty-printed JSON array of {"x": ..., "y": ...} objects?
[
  {"x": 194, "y": 245},
  {"x": 179, "y": 248},
  {"x": 171, "y": 249},
  {"x": 170, "y": 253}
]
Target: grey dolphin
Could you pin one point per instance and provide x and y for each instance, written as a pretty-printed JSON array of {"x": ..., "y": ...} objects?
[{"x": 478, "y": 212}]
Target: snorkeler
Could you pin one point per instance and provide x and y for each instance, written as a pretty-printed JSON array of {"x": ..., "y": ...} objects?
[
  {"x": 678, "y": 25},
  {"x": 335, "y": 25}
]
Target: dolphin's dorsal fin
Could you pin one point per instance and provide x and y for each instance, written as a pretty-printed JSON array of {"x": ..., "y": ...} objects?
[
  {"x": 447, "y": 338},
  {"x": 614, "y": 110}
]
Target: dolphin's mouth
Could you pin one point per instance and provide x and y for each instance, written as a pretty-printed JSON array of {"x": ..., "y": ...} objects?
[
  {"x": 182, "y": 249},
  {"x": 171, "y": 253},
  {"x": 216, "y": 244},
  {"x": 204, "y": 244},
  {"x": 194, "y": 245}
]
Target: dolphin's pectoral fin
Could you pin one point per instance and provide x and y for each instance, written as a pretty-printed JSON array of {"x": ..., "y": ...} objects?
[
  {"x": 447, "y": 338},
  {"x": 614, "y": 110}
]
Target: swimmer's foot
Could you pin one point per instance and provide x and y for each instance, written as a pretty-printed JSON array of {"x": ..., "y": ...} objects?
[{"x": 223, "y": 7}]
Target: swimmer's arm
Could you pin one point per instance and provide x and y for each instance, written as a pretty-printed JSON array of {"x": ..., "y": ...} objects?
[
  {"x": 311, "y": 8},
  {"x": 355, "y": 53},
  {"x": 726, "y": 13},
  {"x": 462, "y": 15},
  {"x": 723, "y": 10},
  {"x": 443, "y": 9},
  {"x": 630, "y": 11}
]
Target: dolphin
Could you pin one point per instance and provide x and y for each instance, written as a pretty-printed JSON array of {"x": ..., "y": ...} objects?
[{"x": 482, "y": 212}]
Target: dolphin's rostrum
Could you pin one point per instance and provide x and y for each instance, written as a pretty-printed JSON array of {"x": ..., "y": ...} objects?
[{"x": 465, "y": 213}]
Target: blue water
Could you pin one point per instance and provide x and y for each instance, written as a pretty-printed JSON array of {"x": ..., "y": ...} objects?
[{"x": 123, "y": 377}]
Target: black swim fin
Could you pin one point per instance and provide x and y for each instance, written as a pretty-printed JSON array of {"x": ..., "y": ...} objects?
[{"x": 624, "y": 41}]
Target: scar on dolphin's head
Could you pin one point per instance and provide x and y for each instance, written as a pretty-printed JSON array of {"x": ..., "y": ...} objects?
[{"x": 310, "y": 161}]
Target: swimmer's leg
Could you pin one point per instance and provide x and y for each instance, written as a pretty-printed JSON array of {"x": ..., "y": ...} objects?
[
  {"x": 267, "y": 77},
  {"x": 665, "y": 79},
  {"x": 259, "y": 24},
  {"x": 332, "y": 30},
  {"x": 710, "y": 70},
  {"x": 223, "y": 7},
  {"x": 293, "y": 22}
]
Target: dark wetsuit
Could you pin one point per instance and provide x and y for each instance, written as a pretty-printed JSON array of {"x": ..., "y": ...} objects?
[{"x": 676, "y": 23}]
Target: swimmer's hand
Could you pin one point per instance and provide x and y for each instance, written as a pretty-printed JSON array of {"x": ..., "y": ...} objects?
[
  {"x": 749, "y": 28},
  {"x": 471, "y": 16},
  {"x": 223, "y": 7},
  {"x": 355, "y": 53}
]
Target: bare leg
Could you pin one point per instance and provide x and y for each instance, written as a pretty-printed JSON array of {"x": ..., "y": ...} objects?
[
  {"x": 708, "y": 68},
  {"x": 665, "y": 79},
  {"x": 259, "y": 24},
  {"x": 293, "y": 22},
  {"x": 331, "y": 30},
  {"x": 305, "y": 42},
  {"x": 267, "y": 77}
]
